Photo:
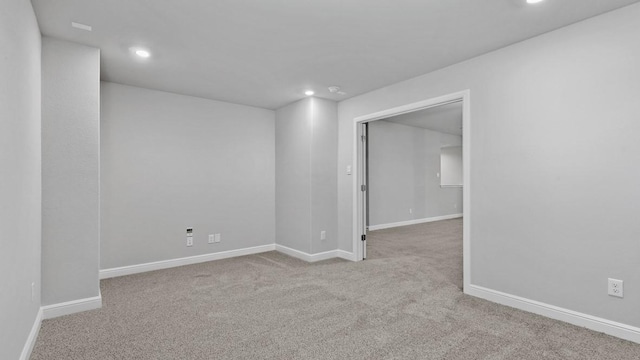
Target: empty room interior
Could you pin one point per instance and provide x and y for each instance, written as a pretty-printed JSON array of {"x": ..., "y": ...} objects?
[{"x": 319, "y": 179}]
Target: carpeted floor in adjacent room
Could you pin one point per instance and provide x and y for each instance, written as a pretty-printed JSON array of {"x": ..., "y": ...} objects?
[{"x": 404, "y": 302}]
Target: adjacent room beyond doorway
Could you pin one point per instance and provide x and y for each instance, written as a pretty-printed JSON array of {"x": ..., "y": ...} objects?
[{"x": 415, "y": 187}]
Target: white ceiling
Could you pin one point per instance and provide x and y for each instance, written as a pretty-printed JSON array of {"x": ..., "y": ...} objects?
[
  {"x": 267, "y": 52},
  {"x": 444, "y": 118}
]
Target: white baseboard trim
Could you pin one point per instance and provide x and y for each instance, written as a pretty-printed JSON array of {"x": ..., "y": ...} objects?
[
  {"x": 609, "y": 327},
  {"x": 166, "y": 264},
  {"x": 413, "y": 222},
  {"x": 305, "y": 256},
  {"x": 346, "y": 255},
  {"x": 33, "y": 336},
  {"x": 71, "y": 307}
]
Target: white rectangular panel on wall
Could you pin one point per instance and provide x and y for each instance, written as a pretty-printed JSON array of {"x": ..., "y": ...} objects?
[{"x": 451, "y": 166}]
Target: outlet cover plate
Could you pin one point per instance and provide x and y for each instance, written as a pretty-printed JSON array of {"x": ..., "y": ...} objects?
[{"x": 616, "y": 288}]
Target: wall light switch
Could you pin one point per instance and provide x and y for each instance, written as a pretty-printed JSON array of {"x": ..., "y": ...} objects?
[
  {"x": 212, "y": 238},
  {"x": 349, "y": 170}
]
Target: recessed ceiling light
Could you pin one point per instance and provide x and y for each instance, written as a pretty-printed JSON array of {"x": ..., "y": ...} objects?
[
  {"x": 143, "y": 53},
  {"x": 534, "y": 1},
  {"x": 81, "y": 26},
  {"x": 309, "y": 92}
]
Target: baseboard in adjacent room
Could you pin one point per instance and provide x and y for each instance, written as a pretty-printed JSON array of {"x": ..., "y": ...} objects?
[
  {"x": 413, "y": 222},
  {"x": 33, "y": 336},
  {"x": 310, "y": 257},
  {"x": 71, "y": 307},
  {"x": 609, "y": 327},
  {"x": 166, "y": 264}
]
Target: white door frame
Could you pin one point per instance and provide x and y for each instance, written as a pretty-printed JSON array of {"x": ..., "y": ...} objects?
[{"x": 358, "y": 211}]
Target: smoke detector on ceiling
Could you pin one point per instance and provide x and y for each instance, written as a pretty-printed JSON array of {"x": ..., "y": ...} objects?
[
  {"x": 81, "y": 26},
  {"x": 336, "y": 90}
]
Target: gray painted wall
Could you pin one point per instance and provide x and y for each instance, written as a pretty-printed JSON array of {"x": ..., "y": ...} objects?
[
  {"x": 306, "y": 160},
  {"x": 70, "y": 171},
  {"x": 559, "y": 114},
  {"x": 20, "y": 184},
  {"x": 324, "y": 183},
  {"x": 170, "y": 162},
  {"x": 404, "y": 162},
  {"x": 293, "y": 175}
]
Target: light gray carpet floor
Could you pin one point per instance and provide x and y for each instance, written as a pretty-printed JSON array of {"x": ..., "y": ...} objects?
[{"x": 404, "y": 302}]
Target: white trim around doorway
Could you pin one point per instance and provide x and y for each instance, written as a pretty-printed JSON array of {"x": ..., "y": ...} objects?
[{"x": 464, "y": 97}]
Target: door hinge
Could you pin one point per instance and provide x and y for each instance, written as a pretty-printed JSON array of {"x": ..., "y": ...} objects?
[
  {"x": 363, "y": 187},
  {"x": 363, "y": 238}
]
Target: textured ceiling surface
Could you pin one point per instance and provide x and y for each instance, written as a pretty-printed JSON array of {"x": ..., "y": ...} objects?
[
  {"x": 444, "y": 118},
  {"x": 266, "y": 53}
]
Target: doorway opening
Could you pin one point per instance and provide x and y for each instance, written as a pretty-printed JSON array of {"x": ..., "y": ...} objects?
[{"x": 419, "y": 172}]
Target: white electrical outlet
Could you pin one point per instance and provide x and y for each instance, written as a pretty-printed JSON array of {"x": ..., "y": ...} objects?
[
  {"x": 616, "y": 288},
  {"x": 217, "y": 237},
  {"x": 410, "y": 211},
  {"x": 212, "y": 238},
  {"x": 323, "y": 235}
]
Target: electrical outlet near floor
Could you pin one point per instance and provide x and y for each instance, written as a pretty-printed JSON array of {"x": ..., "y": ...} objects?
[
  {"x": 217, "y": 237},
  {"x": 212, "y": 238},
  {"x": 616, "y": 288},
  {"x": 323, "y": 235}
]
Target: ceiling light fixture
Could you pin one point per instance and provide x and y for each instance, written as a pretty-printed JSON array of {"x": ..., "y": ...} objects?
[
  {"x": 309, "y": 92},
  {"x": 534, "y": 1},
  {"x": 143, "y": 53}
]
